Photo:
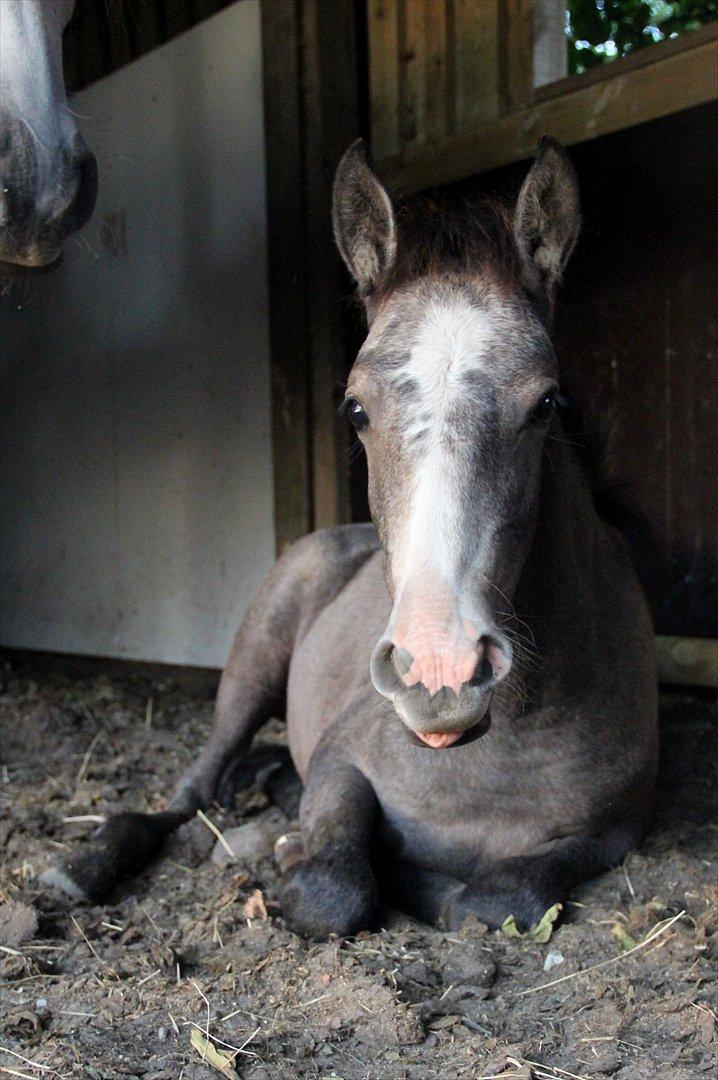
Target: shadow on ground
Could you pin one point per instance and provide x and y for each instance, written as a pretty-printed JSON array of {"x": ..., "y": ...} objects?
[{"x": 116, "y": 991}]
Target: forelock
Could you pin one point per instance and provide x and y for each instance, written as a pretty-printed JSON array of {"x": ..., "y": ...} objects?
[{"x": 438, "y": 236}]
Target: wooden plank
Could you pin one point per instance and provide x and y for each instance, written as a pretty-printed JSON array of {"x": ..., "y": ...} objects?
[
  {"x": 636, "y": 352},
  {"x": 476, "y": 62},
  {"x": 177, "y": 16},
  {"x": 517, "y": 53},
  {"x": 684, "y": 661},
  {"x": 436, "y": 61},
  {"x": 312, "y": 113},
  {"x": 144, "y": 24},
  {"x": 666, "y": 86},
  {"x": 92, "y": 34},
  {"x": 105, "y": 34},
  {"x": 383, "y": 35},
  {"x": 412, "y": 78},
  {"x": 286, "y": 241},
  {"x": 331, "y": 123},
  {"x": 642, "y": 58},
  {"x": 433, "y": 69}
]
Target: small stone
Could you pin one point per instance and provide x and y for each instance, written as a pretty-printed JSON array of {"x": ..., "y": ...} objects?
[
  {"x": 253, "y": 839},
  {"x": 18, "y": 923},
  {"x": 418, "y": 972},
  {"x": 553, "y": 959},
  {"x": 607, "y": 1064}
]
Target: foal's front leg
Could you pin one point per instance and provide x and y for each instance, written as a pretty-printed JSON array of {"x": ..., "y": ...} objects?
[{"x": 333, "y": 890}]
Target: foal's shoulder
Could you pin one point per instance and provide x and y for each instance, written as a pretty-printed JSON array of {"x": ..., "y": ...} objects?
[{"x": 335, "y": 546}]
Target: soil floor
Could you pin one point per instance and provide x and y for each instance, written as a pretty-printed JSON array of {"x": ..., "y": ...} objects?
[{"x": 191, "y": 946}]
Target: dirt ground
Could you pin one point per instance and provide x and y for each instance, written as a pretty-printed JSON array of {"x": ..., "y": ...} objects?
[{"x": 116, "y": 991}]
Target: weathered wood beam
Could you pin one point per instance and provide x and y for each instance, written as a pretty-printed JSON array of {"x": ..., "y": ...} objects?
[
  {"x": 672, "y": 81},
  {"x": 313, "y": 107}
]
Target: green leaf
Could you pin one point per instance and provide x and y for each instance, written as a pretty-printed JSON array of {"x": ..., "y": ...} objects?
[
  {"x": 509, "y": 927},
  {"x": 219, "y": 1059},
  {"x": 541, "y": 933},
  {"x": 624, "y": 939}
]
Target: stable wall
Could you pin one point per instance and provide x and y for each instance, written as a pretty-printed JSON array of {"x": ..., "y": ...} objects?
[{"x": 135, "y": 452}]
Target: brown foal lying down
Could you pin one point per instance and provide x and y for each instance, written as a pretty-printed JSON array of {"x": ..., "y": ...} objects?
[{"x": 469, "y": 683}]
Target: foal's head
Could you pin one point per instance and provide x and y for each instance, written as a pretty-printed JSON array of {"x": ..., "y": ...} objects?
[{"x": 452, "y": 395}]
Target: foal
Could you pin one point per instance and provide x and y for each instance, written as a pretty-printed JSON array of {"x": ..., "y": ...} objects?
[{"x": 445, "y": 771}]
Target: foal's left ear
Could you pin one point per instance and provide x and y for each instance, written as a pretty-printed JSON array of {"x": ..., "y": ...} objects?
[
  {"x": 363, "y": 219},
  {"x": 548, "y": 216}
]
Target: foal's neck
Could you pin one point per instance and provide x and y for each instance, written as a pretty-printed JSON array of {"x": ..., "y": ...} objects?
[{"x": 572, "y": 558}]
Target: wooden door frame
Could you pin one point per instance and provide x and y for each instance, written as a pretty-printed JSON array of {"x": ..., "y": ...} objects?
[
  {"x": 656, "y": 81},
  {"x": 315, "y": 105}
]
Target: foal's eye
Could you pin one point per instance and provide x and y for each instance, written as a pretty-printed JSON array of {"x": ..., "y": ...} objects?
[
  {"x": 357, "y": 417},
  {"x": 544, "y": 408}
]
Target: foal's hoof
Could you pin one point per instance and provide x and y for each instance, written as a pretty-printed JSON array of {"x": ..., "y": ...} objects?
[
  {"x": 126, "y": 843},
  {"x": 321, "y": 897},
  {"x": 492, "y": 905},
  {"x": 288, "y": 851}
]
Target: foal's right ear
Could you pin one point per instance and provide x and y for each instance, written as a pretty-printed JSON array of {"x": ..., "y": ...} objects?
[{"x": 363, "y": 219}]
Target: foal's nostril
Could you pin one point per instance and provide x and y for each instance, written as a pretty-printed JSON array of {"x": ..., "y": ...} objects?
[
  {"x": 384, "y": 674},
  {"x": 495, "y": 659},
  {"x": 484, "y": 673},
  {"x": 402, "y": 660}
]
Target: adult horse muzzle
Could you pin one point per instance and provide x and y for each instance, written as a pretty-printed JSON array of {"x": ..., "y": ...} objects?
[{"x": 44, "y": 196}]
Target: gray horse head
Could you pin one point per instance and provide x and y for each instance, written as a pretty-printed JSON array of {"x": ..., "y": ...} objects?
[{"x": 49, "y": 176}]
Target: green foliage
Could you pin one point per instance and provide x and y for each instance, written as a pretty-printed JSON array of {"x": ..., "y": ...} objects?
[
  {"x": 541, "y": 932},
  {"x": 602, "y": 30}
]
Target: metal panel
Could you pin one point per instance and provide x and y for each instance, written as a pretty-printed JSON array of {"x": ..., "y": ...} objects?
[{"x": 136, "y": 429}]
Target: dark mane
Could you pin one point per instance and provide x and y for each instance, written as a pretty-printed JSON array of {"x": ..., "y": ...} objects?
[{"x": 438, "y": 235}]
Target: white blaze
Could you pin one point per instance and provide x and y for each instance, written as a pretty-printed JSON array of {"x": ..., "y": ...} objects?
[
  {"x": 427, "y": 621},
  {"x": 453, "y": 341}
]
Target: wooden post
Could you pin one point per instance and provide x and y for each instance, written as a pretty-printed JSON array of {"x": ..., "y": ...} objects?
[
  {"x": 281, "y": 47},
  {"x": 517, "y": 67},
  {"x": 313, "y": 101}
]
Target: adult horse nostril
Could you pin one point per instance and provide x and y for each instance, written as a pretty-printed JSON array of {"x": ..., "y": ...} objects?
[{"x": 80, "y": 210}]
